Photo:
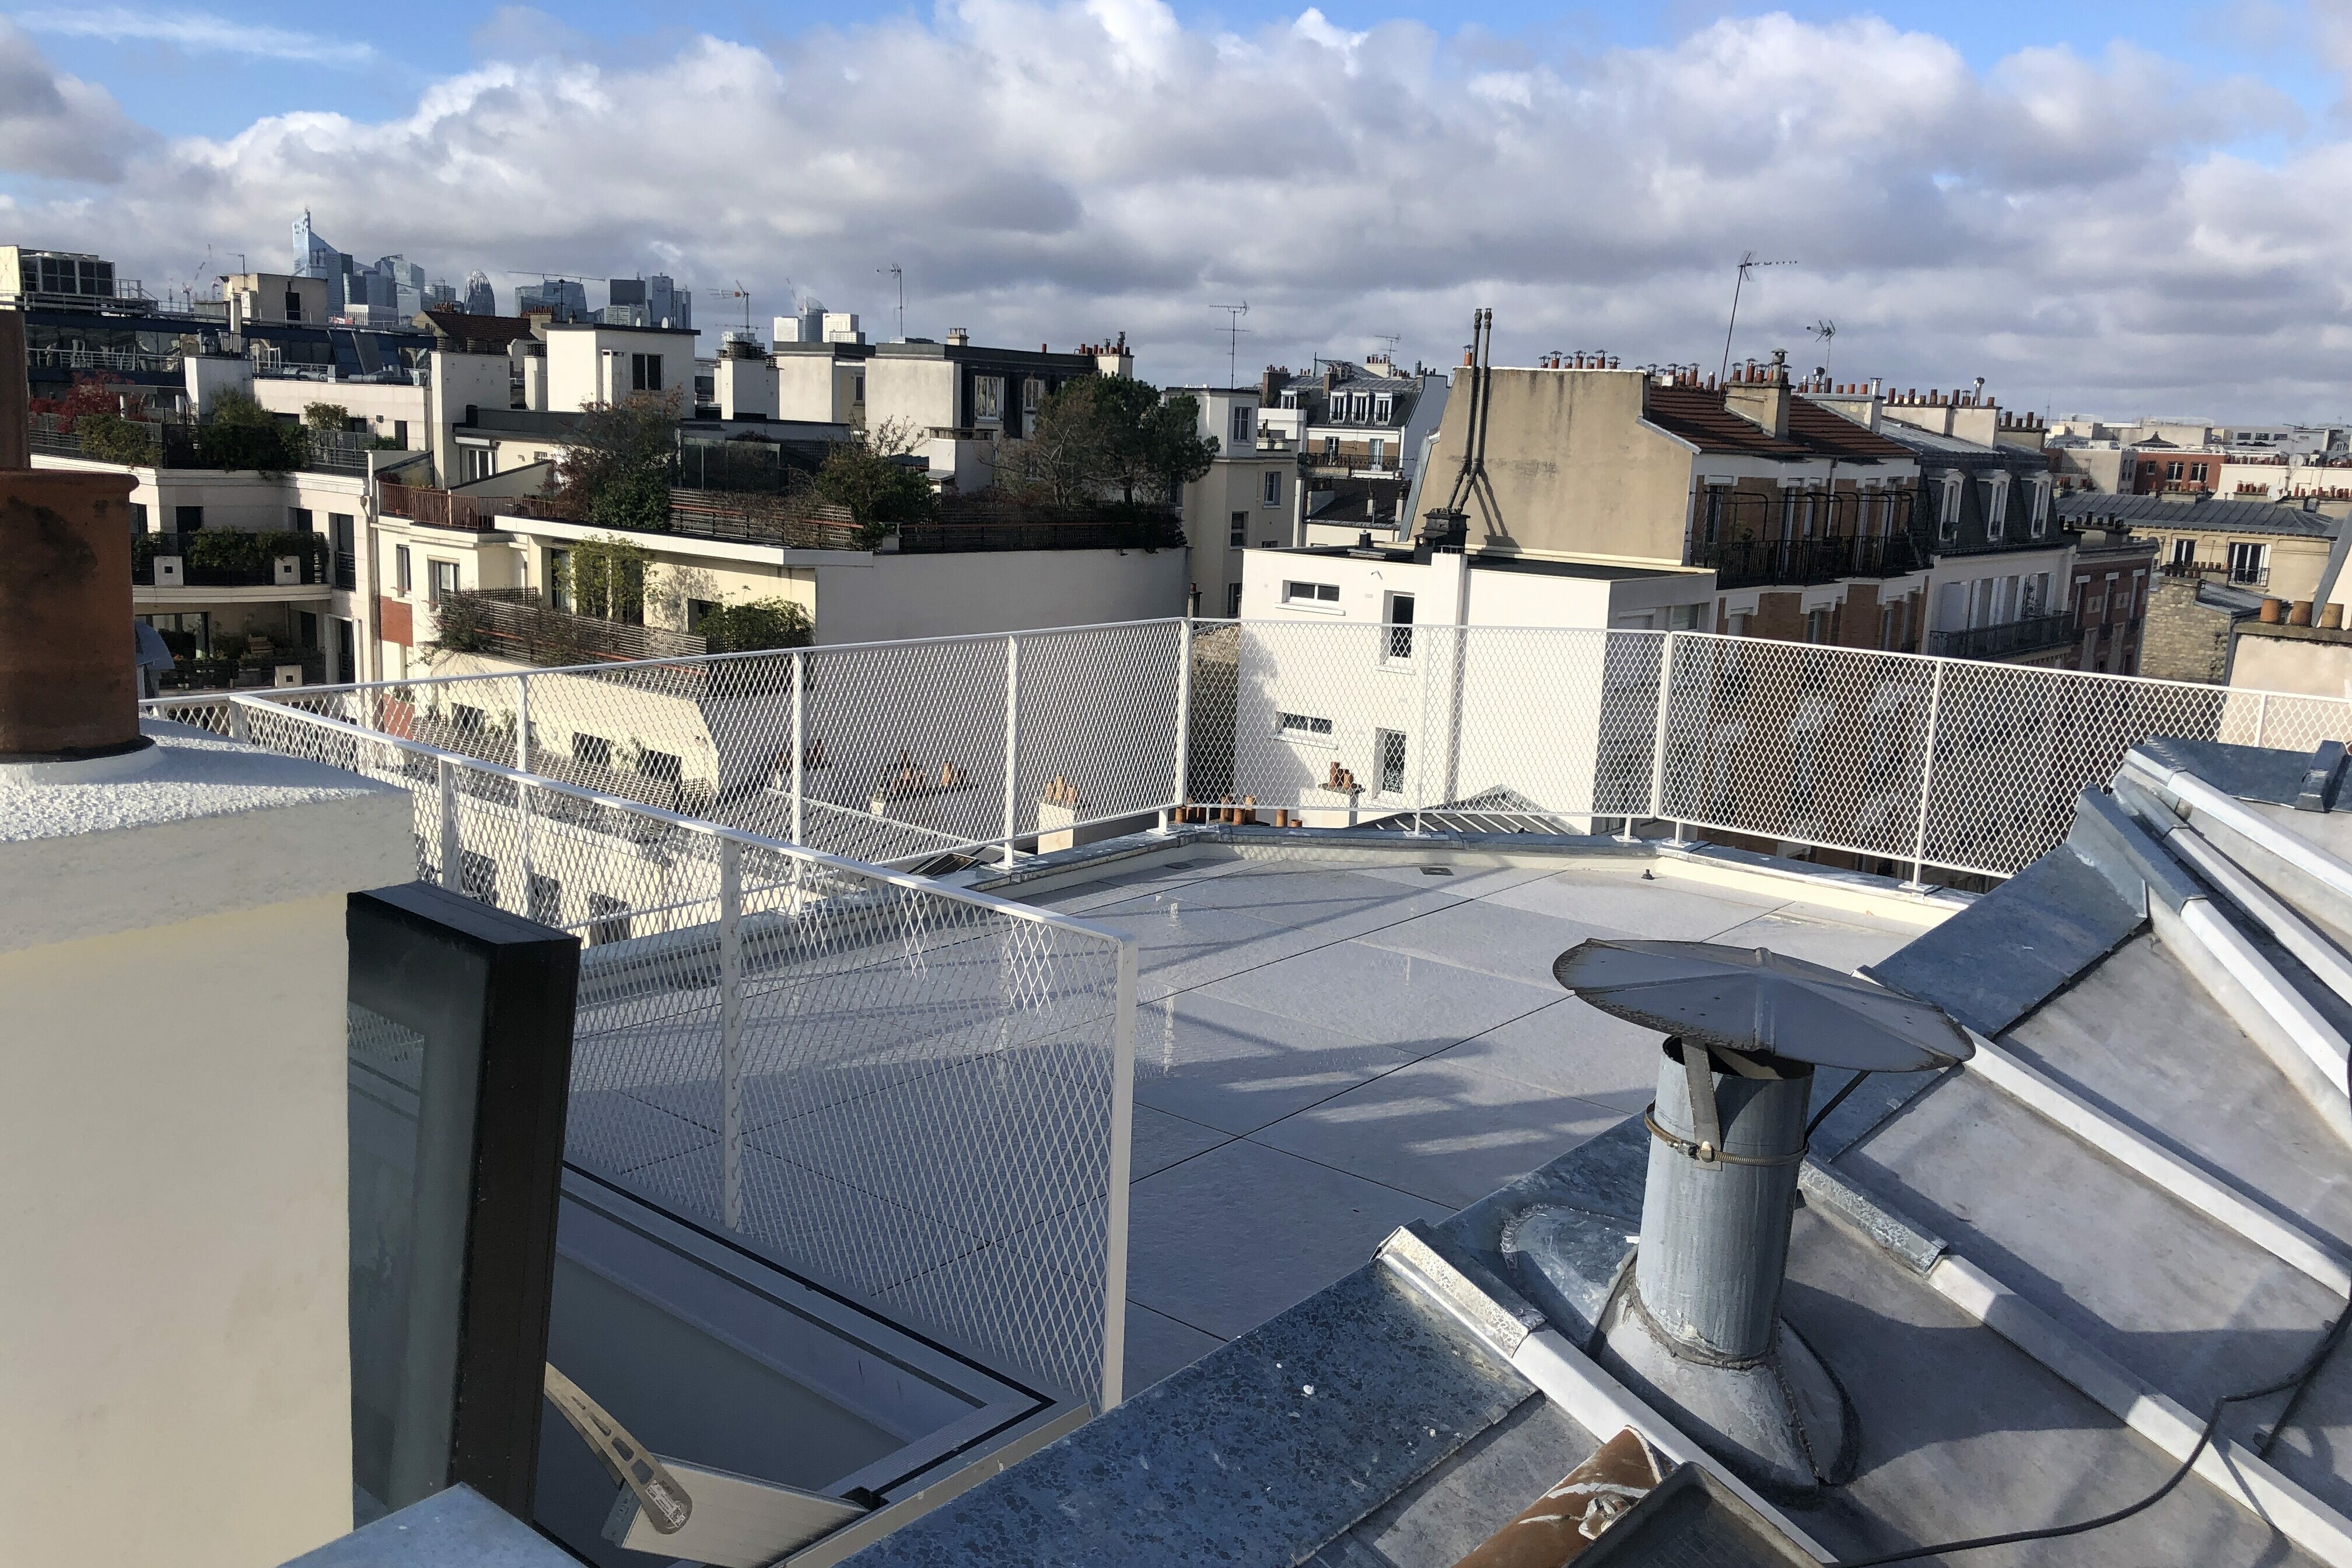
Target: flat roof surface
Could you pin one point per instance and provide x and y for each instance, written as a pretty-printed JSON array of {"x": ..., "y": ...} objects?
[
  {"x": 1328, "y": 1047},
  {"x": 2032, "y": 1275}
]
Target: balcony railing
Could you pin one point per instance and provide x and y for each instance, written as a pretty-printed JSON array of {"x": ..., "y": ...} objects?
[
  {"x": 2009, "y": 640},
  {"x": 223, "y": 558},
  {"x": 253, "y": 671},
  {"x": 2240, "y": 576},
  {"x": 157, "y": 444},
  {"x": 513, "y": 623},
  {"x": 1750, "y": 563}
]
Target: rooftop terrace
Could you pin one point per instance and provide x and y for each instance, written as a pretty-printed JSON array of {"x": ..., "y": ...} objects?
[{"x": 1332, "y": 1041}]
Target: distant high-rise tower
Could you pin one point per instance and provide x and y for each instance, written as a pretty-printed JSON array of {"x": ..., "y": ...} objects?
[
  {"x": 314, "y": 258},
  {"x": 481, "y": 299},
  {"x": 666, "y": 304},
  {"x": 566, "y": 297}
]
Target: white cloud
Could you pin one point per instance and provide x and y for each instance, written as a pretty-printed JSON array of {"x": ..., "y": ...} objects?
[
  {"x": 197, "y": 32},
  {"x": 2073, "y": 229},
  {"x": 56, "y": 126}
]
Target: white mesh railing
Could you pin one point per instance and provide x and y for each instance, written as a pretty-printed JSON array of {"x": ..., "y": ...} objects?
[
  {"x": 918, "y": 1096},
  {"x": 895, "y": 754}
]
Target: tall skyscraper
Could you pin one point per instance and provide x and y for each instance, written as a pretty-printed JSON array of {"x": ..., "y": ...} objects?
[{"x": 481, "y": 299}]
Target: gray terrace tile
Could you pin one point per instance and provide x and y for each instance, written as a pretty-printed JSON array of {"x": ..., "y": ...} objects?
[
  {"x": 1178, "y": 948},
  {"x": 1465, "y": 882},
  {"x": 1490, "y": 937},
  {"x": 1329, "y": 904},
  {"x": 1157, "y": 1344},
  {"x": 1845, "y": 948},
  {"x": 1418, "y": 1006},
  {"x": 1227, "y": 1240},
  {"x": 1441, "y": 1129},
  {"x": 1237, "y": 1067},
  {"x": 1569, "y": 1048},
  {"x": 1626, "y": 903},
  {"x": 1161, "y": 1141}
]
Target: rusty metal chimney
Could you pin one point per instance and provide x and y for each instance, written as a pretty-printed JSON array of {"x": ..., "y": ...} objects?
[{"x": 69, "y": 692}]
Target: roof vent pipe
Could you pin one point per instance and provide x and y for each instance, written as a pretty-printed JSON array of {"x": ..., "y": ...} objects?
[{"x": 1695, "y": 1323}]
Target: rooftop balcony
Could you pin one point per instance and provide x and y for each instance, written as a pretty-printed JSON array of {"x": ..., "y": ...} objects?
[
  {"x": 2009, "y": 640},
  {"x": 2237, "y": 574},
  {"x": 227, "y": 558},
  {"x": 914, "y": 1094},
  {"x": 142, "y": 443},
  {"x": 1751, "y": 562}
]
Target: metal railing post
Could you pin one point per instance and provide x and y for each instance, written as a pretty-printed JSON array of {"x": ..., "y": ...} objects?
[
  {"x": 1183, "y": 721},
  {"x": 730, "y": 1030},
  {"x": 446, "y": 771},
  {"x": 799, "y": 741},
  {"x": 2261, "y": 718},
  {"x": 1012, "y": 742},
  {"x": 1658, "y": 746},
  {"x": 522, "y": 723},
  {"x": 1928, "y": 776},
  {"x": 1122, "y": 1138},
  {"x": 1421, "y": 730},
  {"x": 239, "y": 728}
]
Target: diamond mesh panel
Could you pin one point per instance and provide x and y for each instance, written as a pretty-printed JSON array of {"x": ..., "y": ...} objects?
[{"x": 908, "y": 1094}]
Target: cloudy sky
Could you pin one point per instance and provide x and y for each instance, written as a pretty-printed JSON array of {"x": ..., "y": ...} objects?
[{"x": 2095, "y": 207}]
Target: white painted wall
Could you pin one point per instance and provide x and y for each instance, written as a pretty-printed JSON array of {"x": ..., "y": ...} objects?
[
  {"x": 173, "y": 1145},
  {"x": 383, "y": 404},
  {"x": 579, "y": 370},
  {"x": 944, "y": 596}
]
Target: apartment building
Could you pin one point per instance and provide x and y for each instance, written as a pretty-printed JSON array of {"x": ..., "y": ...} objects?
[
  {"x": 1248, "y": 499},
  {"x": 1357, "y": 427},
  {"x": 956, "y": 400}
]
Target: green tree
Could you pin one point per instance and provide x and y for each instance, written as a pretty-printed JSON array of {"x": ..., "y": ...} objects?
[
  {"x": 326, "y": 417},
  {"x": 110, "y": 438},
  {"x": 238, "y": 433},
  {"x": 1112, "y": 432},
  {"x": 606, "y": 577},
  {"x": 757, "y": 623},
  {"x": 880, "y": 489},
  {"x": 618, "y": 462}
]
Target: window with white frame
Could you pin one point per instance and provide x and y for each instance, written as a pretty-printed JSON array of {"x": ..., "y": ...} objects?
[
  {"x": 1996, "y": 506},
  {"x": 1242, "y": 427},
  {"x": 2039, "y": 523},
  {"x": 987, "y": 399},
  {"x": 1388, "y": 757},
  {"x": 400, "y": 572},
  {"x": 1312, "y": 595},
  {"x": 1360, "y": 407},
  {"x": 1380, "y": 452},
  {"x": 1273, "y": 487},
  {"x": 1383, "y": 408},
  {"x": 1032, "y": 393},
  {"x": 1304, "y": 727},
  {"x": 1399, "y": 624},
  {"x": 444, "y": 582},
  {"x": 1948, "y": 509}
]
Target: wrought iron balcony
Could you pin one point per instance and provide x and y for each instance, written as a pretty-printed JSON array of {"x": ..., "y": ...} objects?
[
  {"x": 1752, "y": 562},
  {"x": 2008, "y": 639}
]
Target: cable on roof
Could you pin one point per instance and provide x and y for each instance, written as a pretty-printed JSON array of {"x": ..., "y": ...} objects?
[{"x": 2298, "y": 1380}]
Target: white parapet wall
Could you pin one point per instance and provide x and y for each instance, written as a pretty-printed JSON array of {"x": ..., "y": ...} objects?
[{"x": 172, "y": 1149}]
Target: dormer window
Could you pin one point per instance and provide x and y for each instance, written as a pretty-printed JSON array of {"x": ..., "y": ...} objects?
[
  {"x": 1359, "y": 407},
  {"x": 1996, "y": 507},
  {"x": 2040, "y": 519},
  {"x": 1383, "y": 409},
  {"x": 1947, "y": 509}
]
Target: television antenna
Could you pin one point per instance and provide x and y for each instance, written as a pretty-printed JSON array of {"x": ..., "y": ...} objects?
[
  {"x": 1825, "y": 332},
  {"x": 1748, "y": 263},
  {"x": 1233, "y": 330},
  {"x": 900, "y": 274},
  {"x": 736, "y": 292}
]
